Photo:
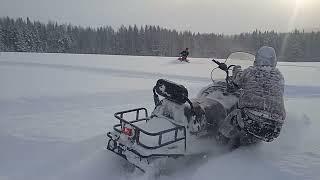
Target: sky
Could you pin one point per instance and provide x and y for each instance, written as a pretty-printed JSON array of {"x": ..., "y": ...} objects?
[{"x": 204, "y": 16}]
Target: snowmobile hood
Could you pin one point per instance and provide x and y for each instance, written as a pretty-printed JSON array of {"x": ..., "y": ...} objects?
[{"x": 266, "y": 56}]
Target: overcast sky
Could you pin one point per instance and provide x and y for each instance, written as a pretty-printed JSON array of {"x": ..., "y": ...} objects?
[{"x": 219, "y": 16}]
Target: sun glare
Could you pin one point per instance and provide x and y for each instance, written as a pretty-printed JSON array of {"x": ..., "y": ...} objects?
[
  {"x": 305, "y": 3},
  {"x": 299, "y": 3}
]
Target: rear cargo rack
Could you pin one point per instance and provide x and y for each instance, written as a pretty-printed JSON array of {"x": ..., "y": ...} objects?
[{"x": 138, "y": 130}]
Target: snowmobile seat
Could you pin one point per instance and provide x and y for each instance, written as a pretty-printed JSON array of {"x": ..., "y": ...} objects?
[{"x": 172, "y": 91}]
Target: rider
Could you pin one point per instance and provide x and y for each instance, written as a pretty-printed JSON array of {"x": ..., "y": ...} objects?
[
  {"x": 260, "y": 112},
  {"x": 184, "y": 54}
]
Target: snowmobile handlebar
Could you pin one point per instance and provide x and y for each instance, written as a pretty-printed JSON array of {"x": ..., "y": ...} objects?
[
  {"x": 224, "y": 67},
  {"x": 221, "y": 66}
]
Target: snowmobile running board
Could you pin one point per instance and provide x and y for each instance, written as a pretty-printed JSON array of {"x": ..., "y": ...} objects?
[{"x": 118, "y": 148}]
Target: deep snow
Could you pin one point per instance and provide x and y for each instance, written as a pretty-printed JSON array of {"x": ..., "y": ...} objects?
[{"x": 56, "y": 108}]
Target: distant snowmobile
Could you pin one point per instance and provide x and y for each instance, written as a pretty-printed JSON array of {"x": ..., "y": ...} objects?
[
  {"x": 184, "y": 55},
  {"x": 177, "y": 126},
  {"x": 183, "y": 59}
]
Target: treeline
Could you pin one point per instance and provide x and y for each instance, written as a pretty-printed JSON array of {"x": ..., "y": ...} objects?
[{"x": 25, "y": 36}]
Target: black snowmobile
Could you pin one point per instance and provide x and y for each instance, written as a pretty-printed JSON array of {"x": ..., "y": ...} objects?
[
  {"x": 177, "y": 126},
  {"x": 183, "y": 59}
]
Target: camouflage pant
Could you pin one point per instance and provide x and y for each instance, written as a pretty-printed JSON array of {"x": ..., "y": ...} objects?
[{"x": 230, "y": 131}]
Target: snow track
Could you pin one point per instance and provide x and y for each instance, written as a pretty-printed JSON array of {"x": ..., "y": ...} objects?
[
  {"x": 55, "y": 109},
  {"x": 105, "y": 71}
]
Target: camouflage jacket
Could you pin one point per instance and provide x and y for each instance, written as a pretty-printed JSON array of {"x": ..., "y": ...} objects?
[{"x": 262, "y": 89}]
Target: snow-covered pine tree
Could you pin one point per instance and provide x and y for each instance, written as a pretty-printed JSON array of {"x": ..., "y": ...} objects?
[
  {"x": 294, "y": 50},
  {"x": 2, "y": 46}
]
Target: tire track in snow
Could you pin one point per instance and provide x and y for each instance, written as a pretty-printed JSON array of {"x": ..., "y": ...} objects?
[
  {"x": 106, "y": 71},
  {"x": 299, "y": 66},
  {"x": 291, "y": 91}
]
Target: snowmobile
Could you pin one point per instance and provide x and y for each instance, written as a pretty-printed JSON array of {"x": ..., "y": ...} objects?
[
  {"x": 183, "y": 59},
  {"x": 178, "y": 126}
]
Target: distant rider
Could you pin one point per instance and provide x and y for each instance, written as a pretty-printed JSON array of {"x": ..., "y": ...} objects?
[
  {"x": 184, "y": 54},
  {"x": 260, "y": 112}
]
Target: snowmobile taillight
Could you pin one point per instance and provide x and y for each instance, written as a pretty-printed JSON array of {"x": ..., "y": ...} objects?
[{"x": 127, "y": 131}]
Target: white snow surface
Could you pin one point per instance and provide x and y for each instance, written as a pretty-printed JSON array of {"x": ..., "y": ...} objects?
[{"x": 56, "y": 108}]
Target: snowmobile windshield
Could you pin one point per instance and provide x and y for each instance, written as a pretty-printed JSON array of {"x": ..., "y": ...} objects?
[{"x": 235, "y": 57}]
